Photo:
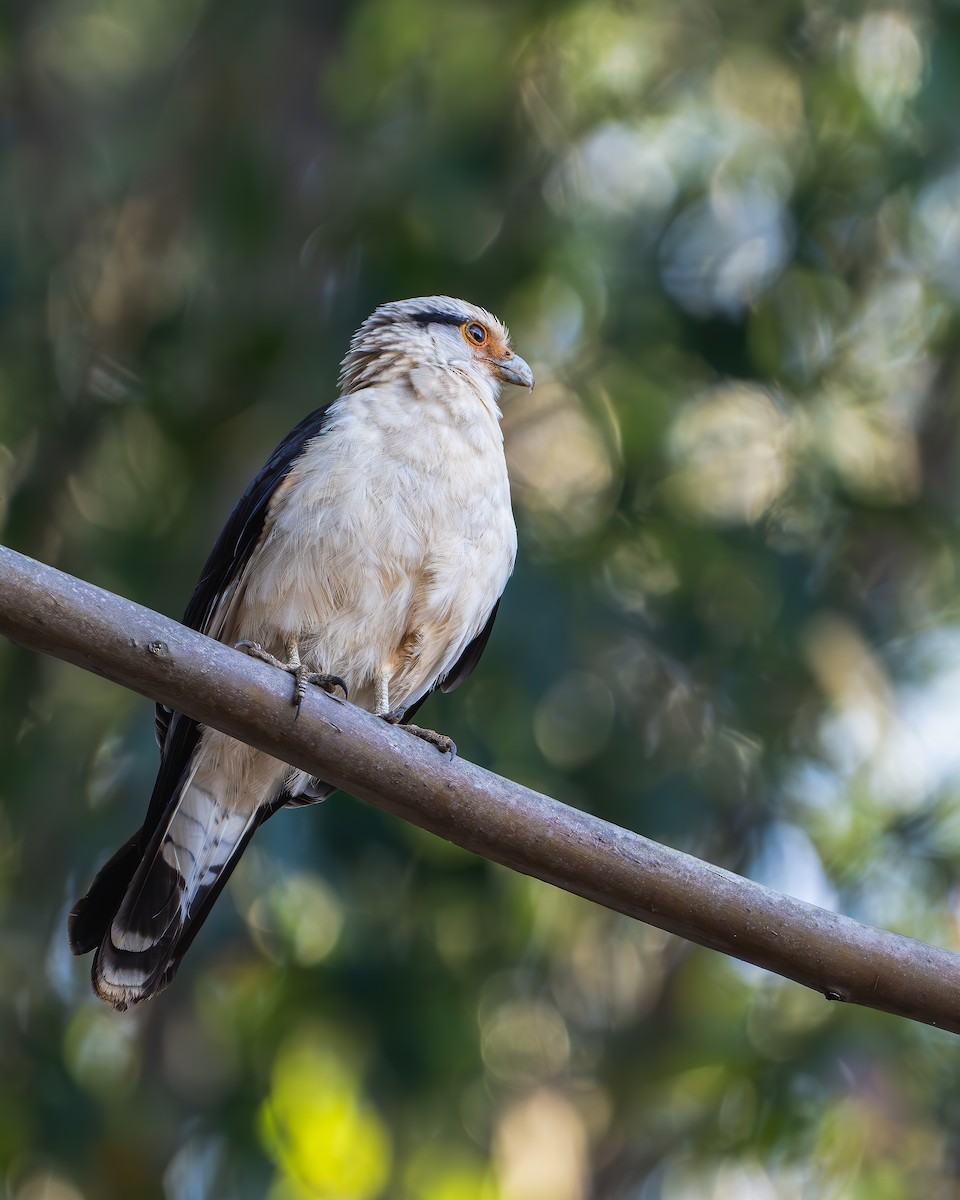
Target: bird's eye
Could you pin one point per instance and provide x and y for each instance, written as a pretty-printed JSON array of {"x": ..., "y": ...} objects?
[{"x": 475, "y": 333}]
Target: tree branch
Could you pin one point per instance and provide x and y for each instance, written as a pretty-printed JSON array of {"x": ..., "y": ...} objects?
[{"x": 46, "y": 610}]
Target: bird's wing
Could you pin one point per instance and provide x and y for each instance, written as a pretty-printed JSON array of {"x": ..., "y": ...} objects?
[
  {"x": 463, "y": 668},
  {"x": 240, "y": 536},
  {"x": 245, "y": 524},
  {"x": 177, "y": 734}
]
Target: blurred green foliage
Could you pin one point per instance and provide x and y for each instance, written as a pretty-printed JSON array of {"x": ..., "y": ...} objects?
[{"x": 727, "y": 238}]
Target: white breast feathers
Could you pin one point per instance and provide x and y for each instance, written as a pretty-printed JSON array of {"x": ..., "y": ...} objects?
[{"x": 388, "y": 544}]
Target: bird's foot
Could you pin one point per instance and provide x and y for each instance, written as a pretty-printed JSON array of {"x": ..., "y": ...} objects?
[
  {"x": 446, "y": 745},
  {"x": 302, "y": 674}
]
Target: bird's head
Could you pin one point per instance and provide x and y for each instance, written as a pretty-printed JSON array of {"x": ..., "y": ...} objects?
[{"x": 436, "y": 332}]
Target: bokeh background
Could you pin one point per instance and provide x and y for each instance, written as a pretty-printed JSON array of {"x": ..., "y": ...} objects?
[{"x": 727, "y": 236}]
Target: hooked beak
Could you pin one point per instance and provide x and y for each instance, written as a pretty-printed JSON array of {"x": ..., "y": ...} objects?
[{"x": 513, "y": 370}]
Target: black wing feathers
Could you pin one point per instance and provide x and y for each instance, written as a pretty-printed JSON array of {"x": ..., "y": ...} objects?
[
  {"x": 245, "y": 524},
  {"x": 464, "y": 666},
  {"x": 240, "y": 535},
  {"x": 178, "y": 735},
  {"x": 91, "y": 915}
]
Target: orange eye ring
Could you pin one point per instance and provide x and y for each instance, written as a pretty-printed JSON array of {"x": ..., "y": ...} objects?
[{"x": 475, "y": 333}]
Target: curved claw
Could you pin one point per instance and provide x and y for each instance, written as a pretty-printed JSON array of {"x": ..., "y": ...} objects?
[
  {"x": 303, "y": 675},
  {"x": 327, "y": 682},
  {"x": 443, "y": 743}
]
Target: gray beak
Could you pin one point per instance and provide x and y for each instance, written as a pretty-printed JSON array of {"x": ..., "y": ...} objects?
[{"x": 513, "y": 370}]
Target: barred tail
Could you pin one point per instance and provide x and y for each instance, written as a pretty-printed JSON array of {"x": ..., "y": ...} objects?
[{"x": 147, "y": 904}]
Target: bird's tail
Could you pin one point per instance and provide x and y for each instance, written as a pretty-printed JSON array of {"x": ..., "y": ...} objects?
[{"x": 147, "y": 903}]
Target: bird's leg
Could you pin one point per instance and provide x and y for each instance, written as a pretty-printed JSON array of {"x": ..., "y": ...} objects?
[
  {"x": 383, "y": 694},
  {"x": 302, "y": 674},
  {"x": 446, "y": 745}
]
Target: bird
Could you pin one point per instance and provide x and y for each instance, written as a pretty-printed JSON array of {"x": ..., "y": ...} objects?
[{"x": 368, "y": 556}]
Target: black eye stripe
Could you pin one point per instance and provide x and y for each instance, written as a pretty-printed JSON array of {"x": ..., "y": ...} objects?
[{"x": 437, "y": 318}]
